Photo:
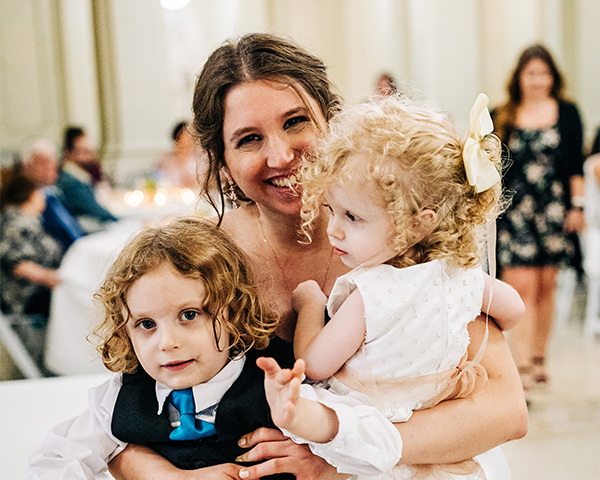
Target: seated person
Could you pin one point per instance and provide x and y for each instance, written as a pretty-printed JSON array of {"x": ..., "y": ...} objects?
[
  {"x": 76, "y": 148},
  {"x": 179, "y": 168},
  {"x": 77, "y": 184},
  {"x": 29, "y": 259},
  {"x": 38, "y": 163}
]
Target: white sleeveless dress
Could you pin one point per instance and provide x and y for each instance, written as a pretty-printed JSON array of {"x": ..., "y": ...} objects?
[{"x": 414, "y": 353}]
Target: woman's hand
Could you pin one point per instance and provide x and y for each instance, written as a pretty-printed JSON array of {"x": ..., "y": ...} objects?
[
  {"x": 141, "y": 463},
  {"x": 575, "y": 221},
  {"x": 279, "y": 454}
]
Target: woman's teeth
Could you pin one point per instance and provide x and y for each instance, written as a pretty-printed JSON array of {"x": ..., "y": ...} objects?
[{"x": 289, "y": 182}]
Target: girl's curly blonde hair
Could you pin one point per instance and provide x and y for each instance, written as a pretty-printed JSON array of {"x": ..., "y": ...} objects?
[
  {"x": 198, "y": 250},
  {"x": 410, "y": 157}
]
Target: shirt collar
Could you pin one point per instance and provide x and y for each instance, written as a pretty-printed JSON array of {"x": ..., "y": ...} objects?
[{"x": 209, "y": 393}]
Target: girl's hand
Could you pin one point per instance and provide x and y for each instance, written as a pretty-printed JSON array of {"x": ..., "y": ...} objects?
[
  {"x": 281, "y": 455},
  {"x": 308, "y": 293}
]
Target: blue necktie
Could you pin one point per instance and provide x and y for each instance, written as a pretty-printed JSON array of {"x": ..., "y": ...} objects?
[{"x": 190, "y": 428}]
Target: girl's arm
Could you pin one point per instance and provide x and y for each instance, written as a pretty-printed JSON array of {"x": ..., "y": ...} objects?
[
  {"x": 507, "y": 307},
  {"x": 462, "y": 428},
  {"x": 325, "y": 348}
]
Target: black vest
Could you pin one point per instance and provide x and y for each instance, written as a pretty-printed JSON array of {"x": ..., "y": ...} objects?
[{"x": 242, "y": 409}]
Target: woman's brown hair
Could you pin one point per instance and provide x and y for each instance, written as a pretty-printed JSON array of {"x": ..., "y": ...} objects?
[{"x": 507, "y": 112}]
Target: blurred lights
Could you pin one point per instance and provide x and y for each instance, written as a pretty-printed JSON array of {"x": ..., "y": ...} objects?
[
  {"x": 134, "y": 198},
  {"x": 160, "y": 197},
  {"x": 187, "y": 195}
]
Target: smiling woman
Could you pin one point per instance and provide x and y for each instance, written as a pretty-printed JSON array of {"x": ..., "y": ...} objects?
[{"x": 260, "y": 105}]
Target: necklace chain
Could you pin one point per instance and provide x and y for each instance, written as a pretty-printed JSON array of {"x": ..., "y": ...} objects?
[{"x": 282, "y": 271}]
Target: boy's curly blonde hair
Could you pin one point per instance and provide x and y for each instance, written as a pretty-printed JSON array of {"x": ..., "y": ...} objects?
[
  {"x": 198, "y": 250},
  {"x": 411, "y": 159}
]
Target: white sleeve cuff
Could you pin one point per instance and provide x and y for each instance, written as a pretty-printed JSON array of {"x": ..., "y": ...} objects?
[{"x": 367, "y": 443}]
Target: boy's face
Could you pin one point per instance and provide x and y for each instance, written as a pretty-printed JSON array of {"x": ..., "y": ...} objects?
[{"x": 172, "y": 335}]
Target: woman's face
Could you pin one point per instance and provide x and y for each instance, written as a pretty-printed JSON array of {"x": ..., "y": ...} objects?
[
  {"x": 536, "y": 79},
  {"x": 266, "y": 130}
]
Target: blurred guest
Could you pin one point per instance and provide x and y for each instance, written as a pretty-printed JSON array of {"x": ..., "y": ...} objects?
[
  {"x": 596, "y": 143},
  {"x": 386, "y": 85},
  {"x": 38, "y": 163},
  {"x": 179, "y": 168},
  {"x": 537, "y": 234},
  {"x": 29, "y": 261},
  {"x": 77, "y": 184},
  {"x": 76, "y": 149}
]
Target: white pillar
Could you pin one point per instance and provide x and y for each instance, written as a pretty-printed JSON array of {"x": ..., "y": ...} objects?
[{"x": 133, "y": 85}]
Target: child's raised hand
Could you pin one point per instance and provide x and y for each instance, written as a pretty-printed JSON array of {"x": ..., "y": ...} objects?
[
  {"x": 308, "y": 293},
  {"x": 282, "y": 387}
]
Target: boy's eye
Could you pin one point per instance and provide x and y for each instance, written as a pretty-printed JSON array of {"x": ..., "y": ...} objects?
[
  {"x": 147, "y": 324},
  {"x": 351, "y": 217},
  {"x": 295, "y": 121},
  {"x": 189, "y": 315},
  {"x": 248, "y": 139},
  {"x": 328, "y": 208}
]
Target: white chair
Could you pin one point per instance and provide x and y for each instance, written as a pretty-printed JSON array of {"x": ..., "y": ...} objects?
[
  {"x": 591, "y": 323},
  {"x": 16, "y": 349}
]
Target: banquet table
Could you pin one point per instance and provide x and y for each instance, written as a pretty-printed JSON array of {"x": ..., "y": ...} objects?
[
  {"x": 70, "y": 348},
  {"x": 29, "y": 408}
]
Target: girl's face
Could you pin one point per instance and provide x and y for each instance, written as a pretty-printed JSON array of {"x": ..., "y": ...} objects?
[
  {"x": 171, "y": 334},
  {"x": 536, "y": 79},
  {"x": 360, "y": 229},
  {"x": 266, "y": 130}
]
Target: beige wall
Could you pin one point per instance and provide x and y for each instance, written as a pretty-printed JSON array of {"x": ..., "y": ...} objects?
[{"x": 125, "y": 69}]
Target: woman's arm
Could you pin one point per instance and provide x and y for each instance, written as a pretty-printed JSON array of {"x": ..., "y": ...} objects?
[
  {"x": 37, "y": 274},
  {"x": 458, "y": 429},
  {"x": 141, "y": 463},
  {"x": 575, "y": 221}
]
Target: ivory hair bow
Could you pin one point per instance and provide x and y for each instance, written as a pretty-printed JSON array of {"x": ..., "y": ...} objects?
[{"x": 481, "y": 172}]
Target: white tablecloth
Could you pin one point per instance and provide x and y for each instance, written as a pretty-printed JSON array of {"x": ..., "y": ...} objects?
[
  {"x": 29, "y": 408},
  {"x": 73, "y": 313}
]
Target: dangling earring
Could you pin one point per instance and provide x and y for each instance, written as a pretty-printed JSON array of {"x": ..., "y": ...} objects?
[{"x": 231, "y": 193}]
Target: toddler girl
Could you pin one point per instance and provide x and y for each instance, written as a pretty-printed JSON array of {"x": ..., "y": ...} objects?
[
  {"x": 183, "y": 325},
  {"x": 406, "y": 200}
]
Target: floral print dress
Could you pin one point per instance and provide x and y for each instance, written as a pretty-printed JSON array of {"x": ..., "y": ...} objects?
[{"x": 530, "y": 232}]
